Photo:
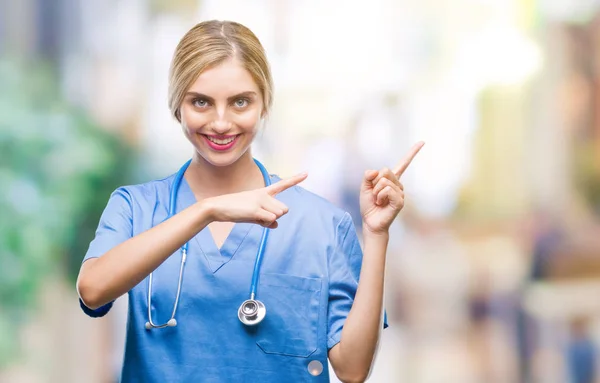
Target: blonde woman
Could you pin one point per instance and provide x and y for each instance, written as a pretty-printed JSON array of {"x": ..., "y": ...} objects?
[{"x": 233, "y": 274}]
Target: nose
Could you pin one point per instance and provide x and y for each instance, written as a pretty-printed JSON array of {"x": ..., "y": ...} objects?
[{"x": 221, "y": 125}]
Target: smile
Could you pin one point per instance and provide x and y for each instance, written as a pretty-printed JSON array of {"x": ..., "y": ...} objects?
[
  {"x": 220, "y": 143},
  {"x": 223, "y": 141}
]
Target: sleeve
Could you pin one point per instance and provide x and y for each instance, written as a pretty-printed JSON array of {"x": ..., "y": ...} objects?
[
  {"x": 344, "y": 270},
  {"x": 115, "y": 227}
]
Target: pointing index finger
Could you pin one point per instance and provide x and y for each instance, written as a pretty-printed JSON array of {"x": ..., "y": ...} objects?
[
  {"x": 403, "y": 165},
  {"x": 287, "y": 183}
]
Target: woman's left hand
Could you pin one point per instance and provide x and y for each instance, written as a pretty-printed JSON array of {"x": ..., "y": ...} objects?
[{"x": 382, "y": 194}]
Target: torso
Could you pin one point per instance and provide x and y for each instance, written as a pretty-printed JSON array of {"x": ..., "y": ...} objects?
[{"x": 209, "y": 340}]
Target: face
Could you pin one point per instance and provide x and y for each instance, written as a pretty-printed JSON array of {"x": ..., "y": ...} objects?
[{"x": 220, "y": 113}]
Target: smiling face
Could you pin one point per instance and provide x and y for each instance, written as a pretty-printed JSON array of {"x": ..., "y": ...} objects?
[
  {"x": 220, "y": 112},
  {"x": 220, "y": 87}
]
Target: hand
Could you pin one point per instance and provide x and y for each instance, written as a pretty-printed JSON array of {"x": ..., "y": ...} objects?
[
  {"x": 382, "y": 194},
  {"x": 255, "y": 206}
]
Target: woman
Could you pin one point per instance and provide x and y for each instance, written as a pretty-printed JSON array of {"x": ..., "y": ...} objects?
[{"x": 188, "y": 265}]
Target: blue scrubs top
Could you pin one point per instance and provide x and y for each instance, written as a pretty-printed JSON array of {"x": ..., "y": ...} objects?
[{"x": 307, "y": 282}]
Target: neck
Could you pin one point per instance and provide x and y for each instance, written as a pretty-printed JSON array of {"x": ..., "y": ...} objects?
[{"x": 207, "y": 180}]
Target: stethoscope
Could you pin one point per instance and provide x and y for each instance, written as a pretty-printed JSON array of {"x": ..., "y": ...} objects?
[{"x": 251, "y": 311}]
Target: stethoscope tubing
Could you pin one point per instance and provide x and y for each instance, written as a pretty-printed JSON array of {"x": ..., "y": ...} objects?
[{"x": 172, "y": 209}]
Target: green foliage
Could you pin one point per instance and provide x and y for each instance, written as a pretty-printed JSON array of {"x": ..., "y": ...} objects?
[{"x": 57, "y": 169}]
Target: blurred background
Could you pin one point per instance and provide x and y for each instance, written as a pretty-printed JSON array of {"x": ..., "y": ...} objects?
[{"x": 494, "y": 265}]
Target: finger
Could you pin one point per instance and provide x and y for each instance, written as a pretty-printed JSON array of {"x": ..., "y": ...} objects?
[
  {"x": 381, "y": 184},
  {"x": 403, "y": 165},
  {"x": 265, "y": 218},
  {"x": 369, "y": 176},
  {"x": 281, "y": 206},
  {"x": 287, "y": 183},
  {"x": 274, "y": 206},
  {"x": 268, "y": 225},
  {"x": 386, "y": 173},
  {"x": 383, "y": 197},
  {"x": 390, "y": 196}
]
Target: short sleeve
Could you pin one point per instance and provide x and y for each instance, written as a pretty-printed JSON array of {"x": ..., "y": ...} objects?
[
  {"x": 344, "y": 270},
  {"x": 115, "y": 227}
]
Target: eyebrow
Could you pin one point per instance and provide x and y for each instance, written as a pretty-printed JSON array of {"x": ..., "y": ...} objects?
[{"x": 229, "y": 99}]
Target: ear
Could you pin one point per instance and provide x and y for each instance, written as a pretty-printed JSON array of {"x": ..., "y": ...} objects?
[
  {"x": 260, "y": 125},
  {"x": 264, "y": 113}
]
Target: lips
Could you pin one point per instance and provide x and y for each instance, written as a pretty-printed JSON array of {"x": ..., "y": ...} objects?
[{"x": 220, "y": 143}]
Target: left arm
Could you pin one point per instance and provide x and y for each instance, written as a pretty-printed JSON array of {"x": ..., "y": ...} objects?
[
  {"x": 353, "y": 356},
  {"x": 381, "y": 199}
]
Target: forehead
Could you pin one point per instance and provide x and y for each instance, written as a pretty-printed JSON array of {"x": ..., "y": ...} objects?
[{"x": 227, "y": 78}]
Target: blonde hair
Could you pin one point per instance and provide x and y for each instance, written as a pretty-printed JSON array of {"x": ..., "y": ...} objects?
[{"x": 209, "y": 43}]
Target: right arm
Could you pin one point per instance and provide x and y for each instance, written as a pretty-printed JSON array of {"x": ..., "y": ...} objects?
[{"x": 102, "y": 280}]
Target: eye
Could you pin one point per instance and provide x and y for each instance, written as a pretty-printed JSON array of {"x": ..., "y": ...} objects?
[
  {"x": 200, "y": 103},
  {"x": 241, "y": 103}
]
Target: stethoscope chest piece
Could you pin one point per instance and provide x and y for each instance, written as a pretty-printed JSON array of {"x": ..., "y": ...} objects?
[{"x": 252, "y": 312}]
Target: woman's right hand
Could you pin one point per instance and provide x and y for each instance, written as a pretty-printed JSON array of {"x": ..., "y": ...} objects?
[{"x": 257, "y": 206}]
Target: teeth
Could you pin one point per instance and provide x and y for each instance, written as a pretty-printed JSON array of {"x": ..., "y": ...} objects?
[{"x": 220, "y": 142}]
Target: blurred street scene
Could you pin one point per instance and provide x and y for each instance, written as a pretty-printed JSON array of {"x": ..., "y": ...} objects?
[{"x": 494, "y": 264}]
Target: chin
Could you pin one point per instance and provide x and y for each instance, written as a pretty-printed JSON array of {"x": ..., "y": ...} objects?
[{"x": 220, "y": 159}]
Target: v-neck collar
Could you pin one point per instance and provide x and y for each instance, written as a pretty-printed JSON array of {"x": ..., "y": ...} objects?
[{"x": 215, "y": 257}]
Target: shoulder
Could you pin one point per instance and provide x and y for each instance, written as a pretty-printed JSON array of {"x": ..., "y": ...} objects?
[{"x": 146, "y": 191}]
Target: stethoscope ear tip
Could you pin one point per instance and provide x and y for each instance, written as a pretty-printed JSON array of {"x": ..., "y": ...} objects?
[
  {"x": 148, "y": 326},
  {"x": 172, "y": 322}
]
